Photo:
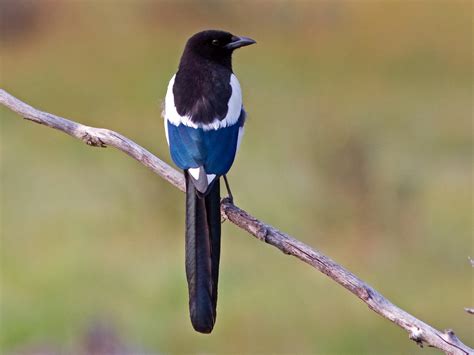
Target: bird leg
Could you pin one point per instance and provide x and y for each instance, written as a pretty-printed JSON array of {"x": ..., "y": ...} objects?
[{"x": 229, "y": 192}]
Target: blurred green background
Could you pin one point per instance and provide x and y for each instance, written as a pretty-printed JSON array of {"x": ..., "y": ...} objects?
[{"x": 358, "y": 142}]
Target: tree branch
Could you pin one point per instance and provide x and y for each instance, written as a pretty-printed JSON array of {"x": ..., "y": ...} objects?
[{"x": 418, "y": 331}]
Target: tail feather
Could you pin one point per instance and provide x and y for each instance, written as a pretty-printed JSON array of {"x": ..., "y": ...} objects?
[{"x": 203, "y": 234}]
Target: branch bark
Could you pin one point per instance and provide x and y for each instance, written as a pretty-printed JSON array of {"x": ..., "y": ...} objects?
[{"x": 418, "y": 331}]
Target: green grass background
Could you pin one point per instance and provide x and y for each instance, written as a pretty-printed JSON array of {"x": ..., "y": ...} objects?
[{"x": 358, "y": 142}]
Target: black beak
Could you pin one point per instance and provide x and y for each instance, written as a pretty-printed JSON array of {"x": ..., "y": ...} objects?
[{"x": 238, "y": 42}]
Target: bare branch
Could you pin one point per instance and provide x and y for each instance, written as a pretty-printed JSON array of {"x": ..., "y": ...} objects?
[{"x": 418, "y": 331}]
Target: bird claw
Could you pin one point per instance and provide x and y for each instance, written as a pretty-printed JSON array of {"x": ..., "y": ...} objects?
[{"x": 228, "y": 199}]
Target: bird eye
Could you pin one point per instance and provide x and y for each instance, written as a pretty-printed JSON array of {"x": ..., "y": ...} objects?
[{"x": 215, "y": 42}]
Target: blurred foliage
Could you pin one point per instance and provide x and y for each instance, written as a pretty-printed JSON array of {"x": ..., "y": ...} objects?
[{"x": 358, "y": 142}]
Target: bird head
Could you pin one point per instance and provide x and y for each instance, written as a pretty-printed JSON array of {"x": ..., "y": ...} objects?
[{"x": 216, "y": 45}]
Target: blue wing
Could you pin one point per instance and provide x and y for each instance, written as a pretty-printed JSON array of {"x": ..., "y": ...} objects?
[{"x": 215, "y": 150}]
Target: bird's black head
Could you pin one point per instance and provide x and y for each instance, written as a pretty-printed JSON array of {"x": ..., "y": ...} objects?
[{"x": 215, "y": 45}]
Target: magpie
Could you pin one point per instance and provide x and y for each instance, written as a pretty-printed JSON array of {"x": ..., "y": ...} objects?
[{"x": 204, "y": 123}]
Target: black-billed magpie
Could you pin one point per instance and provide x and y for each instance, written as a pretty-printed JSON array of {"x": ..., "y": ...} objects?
[{"x": 204, "y": 124}]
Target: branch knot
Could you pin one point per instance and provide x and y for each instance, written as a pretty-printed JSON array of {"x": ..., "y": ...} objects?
[
  {"x": 416, "y": 334},
  {"x": 93, "y": 140}
]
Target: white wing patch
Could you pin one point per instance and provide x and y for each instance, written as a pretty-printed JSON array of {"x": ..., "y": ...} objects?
[
  {"x": 239, "y": 138},
  {"x": 234, "y": 106},
  {"x": 166, "y": 132},
  {"x": 210, "y": 177},
  {"x": 170, "y": 112},
  {"x": 194, "y": 172}
]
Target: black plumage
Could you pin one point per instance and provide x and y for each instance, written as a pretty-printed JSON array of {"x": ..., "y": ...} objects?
[
  {"x": 203, "y": 243},
  {"x": 201, "y": 88},
  {"x": 205, "y": 97}
]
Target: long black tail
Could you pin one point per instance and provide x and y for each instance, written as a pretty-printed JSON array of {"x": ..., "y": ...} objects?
[{"x": 203, "y": 244}]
